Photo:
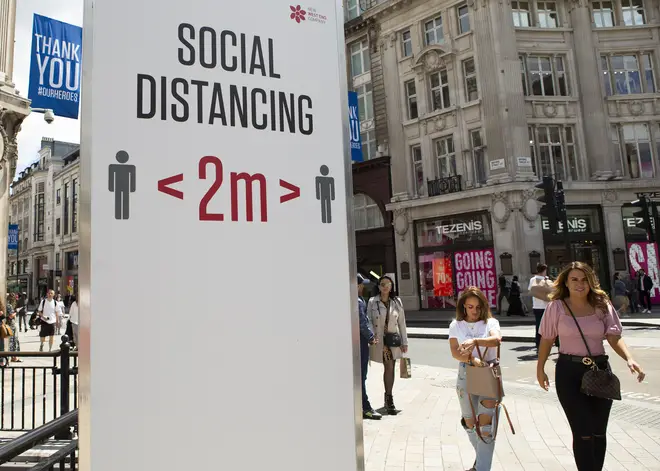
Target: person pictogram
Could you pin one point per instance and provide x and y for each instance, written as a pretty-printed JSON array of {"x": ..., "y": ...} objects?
[
  {"x": 121, "y": 181},
  {"x": 325, "y": 192}
]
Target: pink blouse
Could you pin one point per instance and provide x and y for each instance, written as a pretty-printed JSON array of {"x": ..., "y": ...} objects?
[{"x": 557, "y": 321}]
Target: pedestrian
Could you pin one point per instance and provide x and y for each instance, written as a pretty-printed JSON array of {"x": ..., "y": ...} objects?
[
  {"x": 645, "y": 286},
  {"x": 21, "y": 307},
  {"x": 475, "y": 328},
  {"x": 367, "y": 338},
  {"x": 582, "y": 316},
  {"x": 74, "y": 320},
  {"x": 515, "y": 302},
  {"x": 503, "y": 293},
  {"x": 62, "y": 322},
  {"x": 388, "y": 319},
  {"x": 540, "y": 287},
  {"x": 49, "y": 313},
  {"x": 11, "y": 322},
  {"x": 620, "y": 299},
  {"x": 633, "y": 294}
]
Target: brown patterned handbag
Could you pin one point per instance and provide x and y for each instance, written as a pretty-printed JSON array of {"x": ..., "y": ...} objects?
[{"x": 597, "y": 382}]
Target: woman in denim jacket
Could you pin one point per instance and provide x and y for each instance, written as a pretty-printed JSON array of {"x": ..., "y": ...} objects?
[{"x": 475, "y": 326}]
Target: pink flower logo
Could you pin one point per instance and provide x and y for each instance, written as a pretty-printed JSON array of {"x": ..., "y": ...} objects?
[{"x": 298, "y": 13}]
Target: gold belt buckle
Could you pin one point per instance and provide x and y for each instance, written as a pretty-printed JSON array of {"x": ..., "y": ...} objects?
[{"x": 587, "y": 361}]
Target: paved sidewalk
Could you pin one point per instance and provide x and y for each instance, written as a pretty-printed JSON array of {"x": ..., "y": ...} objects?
[{"x": 427, "y": 436}]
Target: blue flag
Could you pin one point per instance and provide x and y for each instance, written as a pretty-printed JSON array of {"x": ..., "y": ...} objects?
[
  {"x": 12, "y": 240},
  {"x": 354, "y": 120},
  {"x": 55, "y": 66}
]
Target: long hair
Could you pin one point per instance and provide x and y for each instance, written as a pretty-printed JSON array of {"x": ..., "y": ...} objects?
[
  {"x": 393, "y": 291},
  {"x": 596, "y": 297},
  {"x": 473, "y": 292}
]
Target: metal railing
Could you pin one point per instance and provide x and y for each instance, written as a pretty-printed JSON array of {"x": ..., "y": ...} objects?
[
  {"x": 40, "y": 389},
  {"x": 446, "y": 185},
  {"x": 59, "y": 427}
]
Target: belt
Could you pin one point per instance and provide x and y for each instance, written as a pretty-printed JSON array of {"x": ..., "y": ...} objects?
[{"x": 586, "y": 360}]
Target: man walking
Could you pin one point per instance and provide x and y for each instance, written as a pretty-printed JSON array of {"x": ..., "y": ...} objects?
[
  {"x": 49, "y": 312},
  {"x": 541, "y": 289},
  {"x": 645, "y": 286},
  {"x": 367, "y": 338}
]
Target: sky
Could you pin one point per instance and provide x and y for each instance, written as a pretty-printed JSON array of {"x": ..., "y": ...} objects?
[{"x": 34, "y": 127}]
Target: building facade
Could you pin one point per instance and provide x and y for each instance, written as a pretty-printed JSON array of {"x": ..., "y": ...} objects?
[
  {"x": 44, "y": 195},
  {"x": 476, "y": 101}
]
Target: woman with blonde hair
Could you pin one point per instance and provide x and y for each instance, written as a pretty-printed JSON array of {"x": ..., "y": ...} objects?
[
  {"x": 475, "y": 329},
  {"x": 582, "y": 316}
]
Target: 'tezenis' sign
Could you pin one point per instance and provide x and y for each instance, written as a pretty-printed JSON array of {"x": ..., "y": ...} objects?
[{"x": 55, "y": 73}]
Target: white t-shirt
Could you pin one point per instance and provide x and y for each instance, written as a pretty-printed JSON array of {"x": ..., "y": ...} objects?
[
  {"x": 49, "y": 308},
  {"x": 463, "y": 330},
  {"x": 537, "y": 303},
  {"x": 73, "y": 313}
]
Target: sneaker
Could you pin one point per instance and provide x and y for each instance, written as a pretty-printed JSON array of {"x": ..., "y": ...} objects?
[
  {"x": 371, "y": 415},
  {"x": 41, "y": 347}
]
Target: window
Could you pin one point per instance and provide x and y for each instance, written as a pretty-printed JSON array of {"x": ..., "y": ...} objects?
[
  {"x": 369, "y": 147},
  {"x": 632, "y": 12},
  {"x": 470, "y": 77},
  {"x": 440, "y": 90},
  {"x": 445, "y": 157},
  {"x": 360, "y": 60},
  {"x": 74, "y": 204},
  {"x": 433, "y": 31},
  {"x": 623, "y": 75},
  {"x": 553, "y": 151},
  {"x": 547, "y": 15},
  {"x": 520, "y": 14},
  {"x": 57, "y": 261},
  {"x": 411, "y": 99},
  {"x": 58, "y": 199},
  {"x": 406, "y": 43},
  {"x": 603, "y": 14},
  {"x": 418, "y": 169},
  {"x": 39, "y": 216},
  {"x": 637, "y": 152},
  {"x": 65, "y": 215},
  {"x": 366, "y": 213},
  {"x": 58, "y": 223},
  {"x": 353, "y": 7},
  {"x": 544, "y": 76},
  {"x": 463, "y": 19},
  {"x": 365, "y": 102},
  {"x": 477, "y": 150}
]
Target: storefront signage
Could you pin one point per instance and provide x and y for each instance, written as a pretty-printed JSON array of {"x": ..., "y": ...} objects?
[
  {"x": 497, "y": 164},
  {"x": 461, "y": 227},
  {"x": 443, "y": 283},
  {"x": 574, "y": 225},
  {"x": 477, "y": 268},
  {"x": 524, "y": 161},
  {"x": 644, "y": 256}
]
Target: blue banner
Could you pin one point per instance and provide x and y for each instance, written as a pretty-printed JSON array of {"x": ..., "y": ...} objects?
[
  {"x": 55, "y": 66},
  {"x": 354, "y": 119},
  {"x": 12, "y": 240}
]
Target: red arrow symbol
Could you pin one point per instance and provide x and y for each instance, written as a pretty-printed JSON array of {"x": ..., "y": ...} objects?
[
  {"x": 295, "y": 191},
  {"x": 163, "y": 186}
]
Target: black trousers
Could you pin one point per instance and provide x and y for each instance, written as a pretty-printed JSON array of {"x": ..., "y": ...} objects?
[
  {"x": 587, "y": 415},
  {"x": 645, "y": 299}
]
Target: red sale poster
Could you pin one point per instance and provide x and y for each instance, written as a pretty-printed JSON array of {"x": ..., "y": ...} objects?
[
  {"x": 477, "y": 268},
  {"x": 442, "y": 277},
  {"x": 644, "y": 256}
]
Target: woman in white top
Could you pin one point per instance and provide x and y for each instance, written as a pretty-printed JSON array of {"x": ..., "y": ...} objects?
[{"x": 475, "y": 326}]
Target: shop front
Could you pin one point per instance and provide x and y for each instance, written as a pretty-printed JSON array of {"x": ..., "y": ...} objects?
[
  {"x": 70, "y": 274},
  {"x": 586, "y": 239},
  {"x": 453, "y": 253},
  {"x": 642, "y": 254}
]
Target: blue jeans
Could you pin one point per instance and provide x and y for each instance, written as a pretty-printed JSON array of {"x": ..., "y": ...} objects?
[
  {"x": 483, "y": 450},
  {"x": 364, "y": 359}
]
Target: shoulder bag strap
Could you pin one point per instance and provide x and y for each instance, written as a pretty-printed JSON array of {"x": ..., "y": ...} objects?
[
  {"x": 579, "y": 329},
  {"x": 387, "y": 315}
]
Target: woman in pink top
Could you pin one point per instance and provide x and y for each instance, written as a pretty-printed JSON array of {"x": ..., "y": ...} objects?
[{"x": 577, "y": 290}]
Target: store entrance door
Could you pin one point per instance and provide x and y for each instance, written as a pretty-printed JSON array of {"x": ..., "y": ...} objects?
[{"x": 590, "y": 253}]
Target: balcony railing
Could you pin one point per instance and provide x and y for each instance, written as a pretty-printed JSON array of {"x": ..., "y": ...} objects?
[{"x": 444, "y": 186}]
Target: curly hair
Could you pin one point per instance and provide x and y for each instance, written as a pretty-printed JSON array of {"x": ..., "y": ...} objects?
[
  {"x": 596, "y": 297},
  {"x": 473, "y": 292}
]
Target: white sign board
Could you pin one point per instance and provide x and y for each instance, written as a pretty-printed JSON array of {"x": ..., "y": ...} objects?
[
  {"x": 497, "y": 164},
  {"x": 214, "y": 161}
]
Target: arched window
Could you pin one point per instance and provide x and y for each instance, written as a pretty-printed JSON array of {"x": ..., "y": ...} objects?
[{"x": 366, "y": 213}]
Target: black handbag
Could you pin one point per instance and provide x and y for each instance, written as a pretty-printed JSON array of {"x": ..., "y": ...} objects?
[
  {"x": 391, "y": 339},
  {"x": 597, "y": 382}
]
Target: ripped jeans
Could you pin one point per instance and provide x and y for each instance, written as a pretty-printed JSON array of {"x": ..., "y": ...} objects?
[{"x": 483, "y": 450}]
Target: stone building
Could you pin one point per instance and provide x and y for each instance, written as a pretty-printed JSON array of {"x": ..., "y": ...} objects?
[{"x": 475, "y": 101}]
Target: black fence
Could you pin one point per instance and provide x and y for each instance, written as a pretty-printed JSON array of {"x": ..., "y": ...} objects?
[{"x": 37, "y": 390}]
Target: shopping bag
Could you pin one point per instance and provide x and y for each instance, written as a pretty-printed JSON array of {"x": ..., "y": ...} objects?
[{"x": 406, "y": 368}]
